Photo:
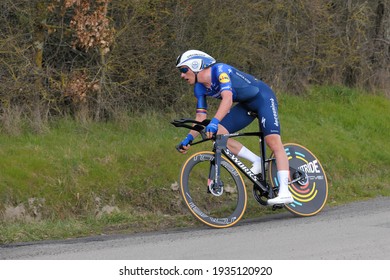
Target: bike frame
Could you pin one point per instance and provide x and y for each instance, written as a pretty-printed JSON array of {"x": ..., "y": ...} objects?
[{"x": 220, "y": 147}]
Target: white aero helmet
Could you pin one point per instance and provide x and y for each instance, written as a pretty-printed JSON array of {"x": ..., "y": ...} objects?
[{"x": 195, "y": 60}]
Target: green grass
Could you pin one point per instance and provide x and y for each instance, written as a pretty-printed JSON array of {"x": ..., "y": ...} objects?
[{"x": 79, "y": 180}]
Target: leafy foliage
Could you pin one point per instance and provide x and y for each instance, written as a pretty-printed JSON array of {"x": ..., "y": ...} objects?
[{"x": 93, "y": 58}]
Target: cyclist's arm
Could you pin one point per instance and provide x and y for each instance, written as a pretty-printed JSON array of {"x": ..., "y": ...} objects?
[
  {"x": 201, "y": 106},
  {"x": 223, "y": 109},
  {"x": 199, "y": 117},
  {"x": 225, "y": 105}
]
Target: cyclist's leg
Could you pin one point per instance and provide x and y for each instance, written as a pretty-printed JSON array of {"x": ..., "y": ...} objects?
[
  {"x": 234, "y": 121},
  {"x": 274, "y": 142},
  {"x": 269, "y": 122},
  {"x": 237, "y": 118}
]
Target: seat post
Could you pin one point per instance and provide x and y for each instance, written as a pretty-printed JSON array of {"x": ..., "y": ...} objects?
[{"x": 263, "y": 149}]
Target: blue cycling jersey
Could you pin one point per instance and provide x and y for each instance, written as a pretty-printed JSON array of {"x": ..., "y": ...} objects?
[
  {"x": 250, "y": 93},
  {"x": 225, "y": 77}
]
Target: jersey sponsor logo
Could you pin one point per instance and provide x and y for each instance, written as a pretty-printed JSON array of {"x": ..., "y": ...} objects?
[
  {"x": 227, "y": 87},
  {"x": 243, "y": 77},
  {"x": 224, "y": 78},
  {"x": 274, "y": 112}
]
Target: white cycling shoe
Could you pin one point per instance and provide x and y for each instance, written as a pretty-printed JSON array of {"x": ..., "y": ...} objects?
[{"x": 281, "y": 199}]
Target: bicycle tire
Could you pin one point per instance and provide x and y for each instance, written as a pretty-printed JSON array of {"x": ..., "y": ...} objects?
[
  {"x": 310, "y": 196},
  {"x": 215, "y": 211}
]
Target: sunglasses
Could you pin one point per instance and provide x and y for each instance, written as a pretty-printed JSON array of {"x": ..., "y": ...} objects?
[{"x": 183, "y": 70}]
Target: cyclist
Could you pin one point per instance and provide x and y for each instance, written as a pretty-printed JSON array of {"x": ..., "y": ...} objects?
[{"x": 222, "y": 81}]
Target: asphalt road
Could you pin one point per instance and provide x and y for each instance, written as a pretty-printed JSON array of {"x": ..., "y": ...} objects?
[{"x": 356, "y": 231}]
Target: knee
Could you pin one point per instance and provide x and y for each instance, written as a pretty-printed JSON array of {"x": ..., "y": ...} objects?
[
  {"x": 274, "y": 142},
  {"x": 222, "y": 130}
]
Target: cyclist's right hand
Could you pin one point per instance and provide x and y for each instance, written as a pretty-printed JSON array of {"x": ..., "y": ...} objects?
[{"x": 184, "y": 145}]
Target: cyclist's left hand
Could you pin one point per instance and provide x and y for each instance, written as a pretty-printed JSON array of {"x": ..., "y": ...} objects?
[
  {"x": 185, "y": 144},
  {"x": 212, "y": 128}
]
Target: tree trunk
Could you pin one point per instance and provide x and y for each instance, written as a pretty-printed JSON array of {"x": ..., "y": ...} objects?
[
  {"x": 380, "y": 57},
  {"x": 39, "y": 41}
]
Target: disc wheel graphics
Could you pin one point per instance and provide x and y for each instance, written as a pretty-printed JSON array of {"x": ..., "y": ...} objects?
[{"x": 310, "y": 189}]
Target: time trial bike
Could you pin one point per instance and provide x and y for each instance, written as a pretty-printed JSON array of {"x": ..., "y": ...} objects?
[{"x": 214, "y": 191}]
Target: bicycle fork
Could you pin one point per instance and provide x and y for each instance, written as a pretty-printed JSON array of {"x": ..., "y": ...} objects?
[{"x": 215, "y": 184}]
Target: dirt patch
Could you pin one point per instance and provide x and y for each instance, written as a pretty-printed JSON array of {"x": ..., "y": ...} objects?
[
  {"x": 27, "y": 212},
  {"x": 107, "y": 210}
]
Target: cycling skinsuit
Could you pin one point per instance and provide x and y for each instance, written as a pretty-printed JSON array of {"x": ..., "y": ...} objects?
[{"x": 250, "y": 94}]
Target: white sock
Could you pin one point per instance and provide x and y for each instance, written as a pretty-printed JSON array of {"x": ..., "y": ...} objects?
[
  {"x": 283, "y": 182},
  {"x": 248, "y": 155}
]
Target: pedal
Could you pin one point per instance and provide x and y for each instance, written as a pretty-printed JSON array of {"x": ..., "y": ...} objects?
[{"x": 277, "y": 206}]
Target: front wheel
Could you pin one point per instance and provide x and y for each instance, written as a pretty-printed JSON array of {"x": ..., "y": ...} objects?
[
  {"x": 217, "y": 206},
  {"x": 308, "y": 183}
]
